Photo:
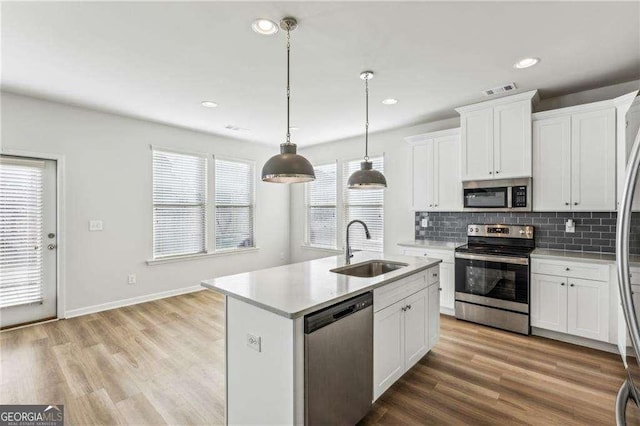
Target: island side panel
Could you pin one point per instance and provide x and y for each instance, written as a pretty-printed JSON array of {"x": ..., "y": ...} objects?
[{"x": 262, "y": 386}]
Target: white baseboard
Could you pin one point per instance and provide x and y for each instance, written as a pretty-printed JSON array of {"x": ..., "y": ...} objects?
[
  {"x": 132, "y": 301},
  {"x": 575, "y": 340},
  {"x": 447, "y": 311}
]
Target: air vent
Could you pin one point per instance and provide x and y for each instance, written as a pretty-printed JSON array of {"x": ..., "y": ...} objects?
[{"x": 500, "y": 89}]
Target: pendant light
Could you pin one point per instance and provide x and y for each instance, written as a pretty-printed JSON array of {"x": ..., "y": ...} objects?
[
  {"x": 288, "y": 166},
  {"x": 367, "y": 177}
]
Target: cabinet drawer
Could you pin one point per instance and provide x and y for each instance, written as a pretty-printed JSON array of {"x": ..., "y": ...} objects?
[
  {"x": 445, "y": 256},
  {"x": 398, "y": 290},
  {"x": 587, "y": 271},
  {"x": 433, "y": 275}
]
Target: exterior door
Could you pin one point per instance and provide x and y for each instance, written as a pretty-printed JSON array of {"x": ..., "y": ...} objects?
[{"x": 28, "y": 234}]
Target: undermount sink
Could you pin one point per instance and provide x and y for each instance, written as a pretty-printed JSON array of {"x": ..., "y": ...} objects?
[{"x": 369, "y": 269}]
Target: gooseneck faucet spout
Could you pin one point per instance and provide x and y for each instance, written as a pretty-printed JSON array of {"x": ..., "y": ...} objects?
[{"x": 348, "y": 253}]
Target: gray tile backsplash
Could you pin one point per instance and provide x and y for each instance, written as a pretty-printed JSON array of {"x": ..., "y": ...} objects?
[{"x": 595, "y": 231}]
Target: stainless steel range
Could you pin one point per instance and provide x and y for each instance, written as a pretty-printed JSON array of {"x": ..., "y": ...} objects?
[{"x": 492, "y": 276}]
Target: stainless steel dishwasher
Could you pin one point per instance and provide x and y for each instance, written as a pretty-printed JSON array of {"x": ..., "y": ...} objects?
[{"x": 338, "y": 362}]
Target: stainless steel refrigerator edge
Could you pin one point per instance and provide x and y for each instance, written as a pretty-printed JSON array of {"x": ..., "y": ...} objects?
[{"x": 630, "y": 388}]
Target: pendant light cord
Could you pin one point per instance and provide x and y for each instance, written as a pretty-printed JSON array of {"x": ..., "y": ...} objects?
[
  {"x": 366, "y": 124},
  {"x": 288, "y": 84}
]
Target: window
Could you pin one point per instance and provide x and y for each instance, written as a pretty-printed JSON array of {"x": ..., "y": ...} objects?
[
  {"x": 179, "y": 204},
  {"x": 234, "y": 204},
  {"x": 366, "y": 205},
  {"x": 320, "y": 199}
]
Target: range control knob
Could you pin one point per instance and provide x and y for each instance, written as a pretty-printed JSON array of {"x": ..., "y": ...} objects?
[
  {"x": 470, "y": 229},
  {"x": 477, "y": 230}
]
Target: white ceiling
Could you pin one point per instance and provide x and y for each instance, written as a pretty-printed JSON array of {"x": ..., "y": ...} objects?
[{"x": 159, "y": 60}]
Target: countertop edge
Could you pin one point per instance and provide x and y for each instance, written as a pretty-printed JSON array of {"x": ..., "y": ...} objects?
[{"x": 338, "y": 299}]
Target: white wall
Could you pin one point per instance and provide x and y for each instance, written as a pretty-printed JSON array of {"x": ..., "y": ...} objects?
[
  {"x": 108, "y": 177},
  {"x": 398, "y": 218}
]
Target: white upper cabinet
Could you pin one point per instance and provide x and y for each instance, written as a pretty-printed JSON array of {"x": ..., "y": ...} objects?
[
  {"x": 593, "y": 161},
  {"x": 552, "y": 164},
  {"x": 436, "y": 181},
  {"x": 627, "y": 126},
  {"x": 496, "y": 138},
  {"x": 574, "y": 159},
  {"x": 476, "y": 129},
  {"x": 512, "y": 139}
]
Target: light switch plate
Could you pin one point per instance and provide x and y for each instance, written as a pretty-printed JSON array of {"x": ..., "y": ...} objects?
[
  {"x": 95, "y": 225},
  {"x": 131, "y": 279},
  {"x": 254, "y": 342}
]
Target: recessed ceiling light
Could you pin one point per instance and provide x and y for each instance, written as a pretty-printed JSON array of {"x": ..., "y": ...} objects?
[
  {"x": 209, "y": 104},
  {"x": 526, "y": 63},
  {"x": 264, "y": 26},
  {"x": 390, "y": 101}
]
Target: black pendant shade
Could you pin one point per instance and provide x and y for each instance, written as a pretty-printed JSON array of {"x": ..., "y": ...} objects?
[
  {"x": 288, "y": 167},
  {"x": 367, "y": 178}
]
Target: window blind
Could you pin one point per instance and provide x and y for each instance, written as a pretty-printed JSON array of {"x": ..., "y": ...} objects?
[
  {"x": 21, "y": 215},
  {"x": 234, "y": 204},
  {"x": 321, "y": 206},
  {"x": 179, "y": 203},
  {"x": 366, "y": 205}
]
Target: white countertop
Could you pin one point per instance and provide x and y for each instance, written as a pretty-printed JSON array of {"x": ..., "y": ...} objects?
[
  {"x": 432, "y": 244},
  {"x": 607, "y": 258},
  {"x": 301, "y": 288}
]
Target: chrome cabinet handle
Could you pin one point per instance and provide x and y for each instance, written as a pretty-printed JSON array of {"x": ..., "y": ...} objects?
[
  {"x": 561, "y": 283},
  {"x": 572, "y": 285},
  {"x": 408, "y": 306},
  {"x": 497, "y": 171},
  {"x": 566, "y": 204},
  {"x": 404, "y": 309},
  {"x": 490, "y": 173},
  {"x": 430, "y": 205},
  {"x": 51, "y": 246},
  {"x": 436, "y": 205},
  {"x": 575, "y": 204}
]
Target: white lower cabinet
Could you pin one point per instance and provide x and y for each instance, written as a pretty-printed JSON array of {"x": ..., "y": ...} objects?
[
  {"x": 403, "y": 330},
  {"x": 447, "y": 275},
  {"x": 571, "y": 305}
]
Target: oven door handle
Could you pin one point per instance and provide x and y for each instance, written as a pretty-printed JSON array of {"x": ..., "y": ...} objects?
[{"x": 495, "y": 259}]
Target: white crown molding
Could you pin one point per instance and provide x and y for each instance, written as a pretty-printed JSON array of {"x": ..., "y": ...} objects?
[
  {"x": 530, "y": 95},
  {"x": 425, "y": 137}
]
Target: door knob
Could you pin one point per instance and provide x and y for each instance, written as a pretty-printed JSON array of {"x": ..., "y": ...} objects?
[{"x": 51, "y": 246}]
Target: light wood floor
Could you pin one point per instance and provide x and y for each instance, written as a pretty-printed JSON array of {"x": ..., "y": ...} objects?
[{"x": 162, "y": 363}]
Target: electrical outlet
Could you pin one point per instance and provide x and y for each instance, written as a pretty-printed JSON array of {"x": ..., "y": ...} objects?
[
  {"x": 131, "y": 279},
  {"x": 570, "y": 226},
  {"x": 254, "y": 342},
  {"x": 95, "y": 225},
  {"x": 425, "y": 222}
]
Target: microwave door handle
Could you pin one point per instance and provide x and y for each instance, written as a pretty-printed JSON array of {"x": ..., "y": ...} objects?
[{"x": 509, "y": 197}]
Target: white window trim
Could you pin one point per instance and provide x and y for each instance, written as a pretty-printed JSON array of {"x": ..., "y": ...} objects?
[
  {"x": 210, "y": 210},
  {"x": 307, "y": 221},
  {"x": 211, "y": 213},
  {"x": 340, "y": 205}
]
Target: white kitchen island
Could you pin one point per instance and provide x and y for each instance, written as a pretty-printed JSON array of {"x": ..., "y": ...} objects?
[{"x": 264, "y": 313}]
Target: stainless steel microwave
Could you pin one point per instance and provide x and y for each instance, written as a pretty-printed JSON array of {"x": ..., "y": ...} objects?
[{"x": 499, "y": 195}]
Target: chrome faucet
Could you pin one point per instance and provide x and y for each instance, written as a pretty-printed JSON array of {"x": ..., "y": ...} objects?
[{"x": 348, "y": 253}]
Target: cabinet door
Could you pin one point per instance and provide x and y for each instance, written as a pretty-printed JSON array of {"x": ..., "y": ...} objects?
[
  {"x": 434, "y": 314},
  {"x": 422, "y": 176},
  {"x": 447, "y": 287},
  {"x": 447, "y": 182},
  {"x": 388, "y": 347},
  {"x": 588, "y": 309},
  {"x": 549, "y": 302},
  {"x": 552, "y": 164},
  {"x": 476, "y": 129},
  {"x": 416, "y": 327},
  {"x": 593, "y": 164},
  {"x": 512, "y": 139}
]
